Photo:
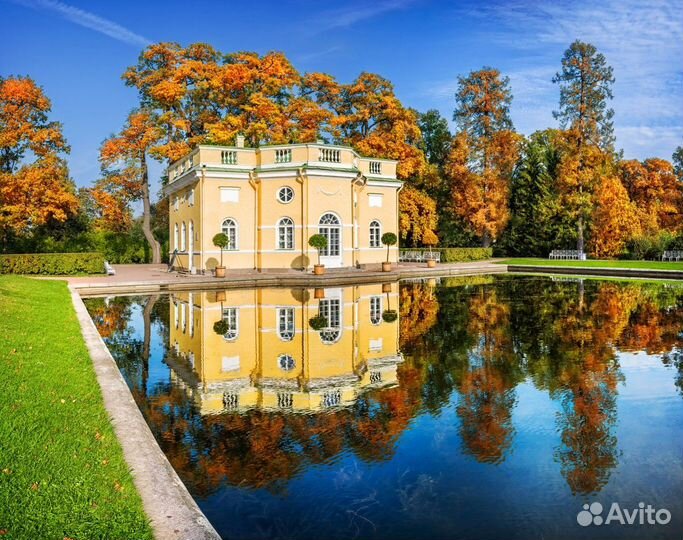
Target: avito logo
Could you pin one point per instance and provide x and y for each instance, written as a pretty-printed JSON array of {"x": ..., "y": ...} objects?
[{"x": 643, "y": 515}]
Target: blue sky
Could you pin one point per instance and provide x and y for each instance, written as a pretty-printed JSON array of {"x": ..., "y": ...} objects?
[{"x": 78, "y": 50}]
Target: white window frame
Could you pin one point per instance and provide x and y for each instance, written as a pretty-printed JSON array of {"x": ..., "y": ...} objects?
[
  {"x": 226, "y": 229},
  {"x": 331, "y": 309},
  {"x": 183, "y": 237},
  {"x": 286, "y": 362},
  {"x": 375, "y": 310},
  {"x": 281, "y": 233},
  {"x": 234, "y": 332},
  {"x": 282, "y": 190},
  {"x": 286, "y": 326},
  {"x": 378, "y": 241},
  {"x": 176, "y": 236}
]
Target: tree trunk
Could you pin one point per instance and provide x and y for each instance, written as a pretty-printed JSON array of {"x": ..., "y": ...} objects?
[
  {"x": 486, "y": 240},
  {"x": 147, "y": 214},
  {"x": 579, "y": 239},
  {"x": 147, "y": 339}
]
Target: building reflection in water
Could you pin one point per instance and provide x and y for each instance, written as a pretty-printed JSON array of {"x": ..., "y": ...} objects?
[{"x": 265, "y": 354}]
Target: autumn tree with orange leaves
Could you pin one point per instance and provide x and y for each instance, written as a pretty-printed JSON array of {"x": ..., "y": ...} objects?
[
  {"x": 125, "y": 176},
  {"x": 39, "y": 191},
  {"x": 483, "y": 153}
]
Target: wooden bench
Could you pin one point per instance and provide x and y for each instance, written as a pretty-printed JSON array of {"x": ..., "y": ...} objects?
[
  {"x": 675, "y": 255},
  {"x": 567, "y": 255}
]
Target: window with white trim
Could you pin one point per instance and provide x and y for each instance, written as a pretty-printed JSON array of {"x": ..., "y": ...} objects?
[
  {"x": 183, "y": 237},
  {"x": 375, "y": 309},
  {"x": 175, "y": 236},
  {"x": 285, "y": 233},
  {"x": 285, "y": 194},
  {"x": 285, "y": 323},
  {"x": 230, "y": 316},
  {"x": 190, "y": 197},
  {"x": 375, "y": 234},
  {"x": 286, "y": 362},
  {"x": 229, "y": 228},
  {"x": 331, "y": 310}
]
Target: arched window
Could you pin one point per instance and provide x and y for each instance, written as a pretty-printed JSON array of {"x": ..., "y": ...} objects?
[
  {"x": 229, "y": 228},
  {"x": 285, "y": 233},
  {"x": 375, "y": 234},
  {"x": 175, "y": 237},
  {"x": 183, "y": 237},
  {"x": 330, "y": 228},
  {"x": 190, "y": 240},
  {"x": 230, "y": 316},
  {"x": 331, "y": 310}
]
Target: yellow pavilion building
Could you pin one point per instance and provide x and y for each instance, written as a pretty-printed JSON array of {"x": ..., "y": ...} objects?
[
  {"x": 270, "y": 200},
  {"x": 271, "y": 358}
]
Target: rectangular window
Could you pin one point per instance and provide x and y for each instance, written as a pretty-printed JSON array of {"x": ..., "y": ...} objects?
[
  {"x": 285, "y": 323},
  {"x": 230, "y": 194},
  {"x": 376, "y": 309},
  {"x": 375, "y": 200},
  {"x": 230, "y": 317},
  {"x": 230, "y": 363},
  {"x": 176, "y": 202},
  {"x": 190, "y": 197}
]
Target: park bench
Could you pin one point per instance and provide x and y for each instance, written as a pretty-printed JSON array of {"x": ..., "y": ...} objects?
[
  {"x": 567, "y": 255},
  {"x": 675, "y": 255},
  {"x": 416, "y": 255}
]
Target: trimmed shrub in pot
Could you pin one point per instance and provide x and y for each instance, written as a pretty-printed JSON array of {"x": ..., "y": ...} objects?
[
  {"x": 319, "y": 242},
  {"x": 388, "y": 239},
  {"x": 222, "y": 242}
]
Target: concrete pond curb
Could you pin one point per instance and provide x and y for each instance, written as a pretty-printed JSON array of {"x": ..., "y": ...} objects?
[{"x": 172, "y": 511}]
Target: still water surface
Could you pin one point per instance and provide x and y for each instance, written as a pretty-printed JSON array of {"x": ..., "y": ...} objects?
[{"x": 491, "y": 407}]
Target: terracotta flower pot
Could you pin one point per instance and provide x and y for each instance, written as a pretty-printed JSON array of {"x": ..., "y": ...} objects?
[
  {"x": 318, "y": 269},
  {"x": 386, "y": 267},
  {"x": 431, "y": 263},
  {"x": 220, "y": 296},
  {"x": 386, "y": 287},
  {"x": 319, "y": 293},
  {"x": 220, "y": 271}
]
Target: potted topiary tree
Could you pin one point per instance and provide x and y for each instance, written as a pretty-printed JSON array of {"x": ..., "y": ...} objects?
[
  {"x": 318, "y": 322},
  {"x": 221, "y": 241},
  {"x": 319, "y": 242},
  {"x": 221, "y": 327},
  {"x": 430, "y": 239},
  {"x": 388, "y": 239}
]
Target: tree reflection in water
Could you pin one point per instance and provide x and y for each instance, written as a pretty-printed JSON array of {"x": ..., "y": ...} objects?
[{"x": 466, "y": 344}]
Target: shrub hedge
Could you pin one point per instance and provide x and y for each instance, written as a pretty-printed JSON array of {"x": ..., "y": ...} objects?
[
  {"x": 52, "y": 264},
  {"x": 450, "y": 255}
]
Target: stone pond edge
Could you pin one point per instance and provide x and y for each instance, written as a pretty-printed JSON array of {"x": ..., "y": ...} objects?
[{"x": 172, "y": 511}]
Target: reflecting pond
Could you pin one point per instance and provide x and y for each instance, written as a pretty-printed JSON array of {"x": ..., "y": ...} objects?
[{"x": 477, "y": 407}]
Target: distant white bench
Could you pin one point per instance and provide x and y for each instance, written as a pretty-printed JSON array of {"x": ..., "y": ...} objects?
[
  {"x": 418, "y": 255},
  {"x": 567, "y": 255},
  {"x": 109, "y": 269},
  {"x": 675, "y": 255}
]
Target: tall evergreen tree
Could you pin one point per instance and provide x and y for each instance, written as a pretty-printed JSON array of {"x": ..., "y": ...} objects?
[
  {"x": 677, "y": 159},
  {"x": 585, "y": 88},
  {"x": 436, "y": 137}
]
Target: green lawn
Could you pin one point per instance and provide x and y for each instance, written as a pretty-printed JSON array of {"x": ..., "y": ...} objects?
[
  {"x": 650, "y": 265},
  {"x": 62, "y": 472}
]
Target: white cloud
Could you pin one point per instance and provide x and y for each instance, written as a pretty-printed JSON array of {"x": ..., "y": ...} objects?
[
  {"x": 88, "y": 20},
  {"x": 344, "y": 17}
]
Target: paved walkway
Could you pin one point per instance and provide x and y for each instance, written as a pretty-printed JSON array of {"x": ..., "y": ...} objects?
[{"x": 139, "y": 278}]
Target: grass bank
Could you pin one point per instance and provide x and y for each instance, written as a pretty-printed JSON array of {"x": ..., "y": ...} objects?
[
  {"x": 644, "y": 265},
  {"x": 62, "y": 471}
]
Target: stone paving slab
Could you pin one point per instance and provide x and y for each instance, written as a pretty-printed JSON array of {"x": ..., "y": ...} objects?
[{"x": 154, "y": 278}]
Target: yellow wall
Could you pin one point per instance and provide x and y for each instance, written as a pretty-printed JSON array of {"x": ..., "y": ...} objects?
[
  {"x": 250, "y": 183},
  {"x": 248, "y": 366}
]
